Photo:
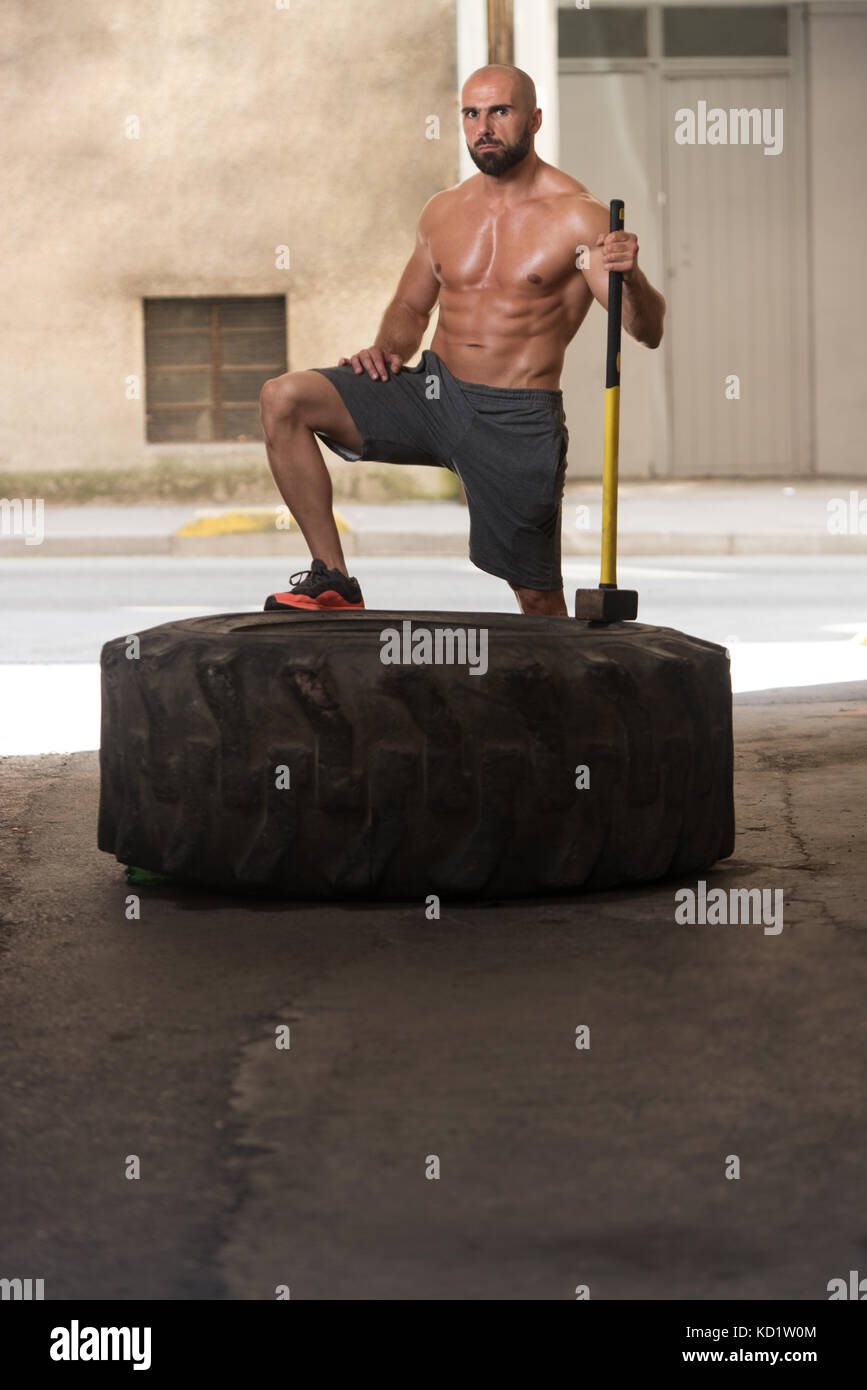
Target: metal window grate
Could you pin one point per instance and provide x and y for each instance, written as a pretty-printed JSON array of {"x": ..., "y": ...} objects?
[{"x": 206, "y": 361}]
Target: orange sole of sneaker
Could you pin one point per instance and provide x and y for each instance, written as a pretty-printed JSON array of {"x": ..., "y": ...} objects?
[{"x": 327, "y": 601}]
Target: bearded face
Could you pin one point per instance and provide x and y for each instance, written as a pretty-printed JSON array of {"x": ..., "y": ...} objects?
[{"x": 494, "y": 157}]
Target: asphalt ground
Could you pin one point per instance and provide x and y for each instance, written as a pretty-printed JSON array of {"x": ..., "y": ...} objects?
[{"x": 453, "y": 1037}]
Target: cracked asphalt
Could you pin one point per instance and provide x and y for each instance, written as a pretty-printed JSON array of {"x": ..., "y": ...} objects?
[{"x": 409, "y": 1037}]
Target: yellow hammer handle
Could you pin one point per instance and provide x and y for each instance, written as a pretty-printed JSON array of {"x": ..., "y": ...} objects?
[{"x": 610, "y": 450}]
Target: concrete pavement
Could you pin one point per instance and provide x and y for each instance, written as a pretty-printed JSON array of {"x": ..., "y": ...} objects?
[
  {"x": 659, "y": 518},
  {"x": 455, "y": 1037}
]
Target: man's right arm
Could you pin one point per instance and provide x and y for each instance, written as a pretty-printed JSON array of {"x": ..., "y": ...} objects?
[{"x": 406, "y": 318}]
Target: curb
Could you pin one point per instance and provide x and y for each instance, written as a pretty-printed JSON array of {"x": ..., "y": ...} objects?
[
  {"x": 400, "y": 543},
  {"x": 248, "y": 521}
]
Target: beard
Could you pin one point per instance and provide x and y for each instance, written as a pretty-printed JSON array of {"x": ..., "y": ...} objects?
[{"x": 495, "y": 162}]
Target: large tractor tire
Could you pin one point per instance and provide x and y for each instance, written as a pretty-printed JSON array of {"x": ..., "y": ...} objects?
[{"x": 276, "y": 752}]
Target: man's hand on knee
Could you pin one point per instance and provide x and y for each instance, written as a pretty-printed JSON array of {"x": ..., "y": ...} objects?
[{"x": 375, "y": 361}]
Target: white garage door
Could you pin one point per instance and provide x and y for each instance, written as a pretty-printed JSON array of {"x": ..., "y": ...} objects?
[{"x": 735, "y": 286}]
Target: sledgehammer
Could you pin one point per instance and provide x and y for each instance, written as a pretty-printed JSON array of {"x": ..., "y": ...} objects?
[{"x": 608, "y": 604}]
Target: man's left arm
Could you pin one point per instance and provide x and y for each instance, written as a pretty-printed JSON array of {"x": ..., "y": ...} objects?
[{"x": 643, "y": 306}]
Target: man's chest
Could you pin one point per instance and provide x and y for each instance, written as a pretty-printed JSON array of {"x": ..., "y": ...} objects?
[{"x": 516, "y": 254}]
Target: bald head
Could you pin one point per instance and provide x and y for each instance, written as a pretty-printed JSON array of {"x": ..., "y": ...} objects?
[
  {"x": 500, "y": 117},
  {"x": 518, "y": 84}
]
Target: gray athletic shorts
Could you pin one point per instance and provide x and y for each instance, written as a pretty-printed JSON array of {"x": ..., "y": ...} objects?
[{"x": 507, "y": 447}]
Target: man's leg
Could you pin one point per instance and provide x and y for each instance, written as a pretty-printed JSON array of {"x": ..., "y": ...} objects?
[
  {"x": 546, "y": 602},
  {"x": 292, "y": 407}
]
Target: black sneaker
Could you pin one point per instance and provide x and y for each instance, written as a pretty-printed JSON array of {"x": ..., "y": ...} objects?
[{"x": 318, "y": 587}]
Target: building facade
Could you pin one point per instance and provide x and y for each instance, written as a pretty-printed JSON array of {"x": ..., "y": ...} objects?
[{"x": 200, "y": 196}]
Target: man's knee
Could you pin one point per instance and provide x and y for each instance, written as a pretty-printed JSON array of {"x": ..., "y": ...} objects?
[
  {"x": 308, "y": 399},
  {"x": 283, "y": 399}
]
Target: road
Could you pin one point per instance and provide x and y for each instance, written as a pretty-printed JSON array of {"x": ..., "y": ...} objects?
[
  {"x": 787, "y": 621},
  {"x": 64, "y": 609}
]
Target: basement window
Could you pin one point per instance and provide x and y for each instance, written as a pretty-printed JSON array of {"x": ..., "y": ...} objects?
[{"x": 206, "y": 362}]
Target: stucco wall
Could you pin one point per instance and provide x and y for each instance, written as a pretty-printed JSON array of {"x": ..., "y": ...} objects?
[{"x": 260, "y": 126}]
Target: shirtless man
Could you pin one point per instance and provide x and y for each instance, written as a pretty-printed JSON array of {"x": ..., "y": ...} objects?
[{"x": 500, "y": 252}]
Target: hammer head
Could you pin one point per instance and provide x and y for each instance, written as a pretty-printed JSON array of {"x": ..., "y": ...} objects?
[{"x": 605, "y": 605}]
